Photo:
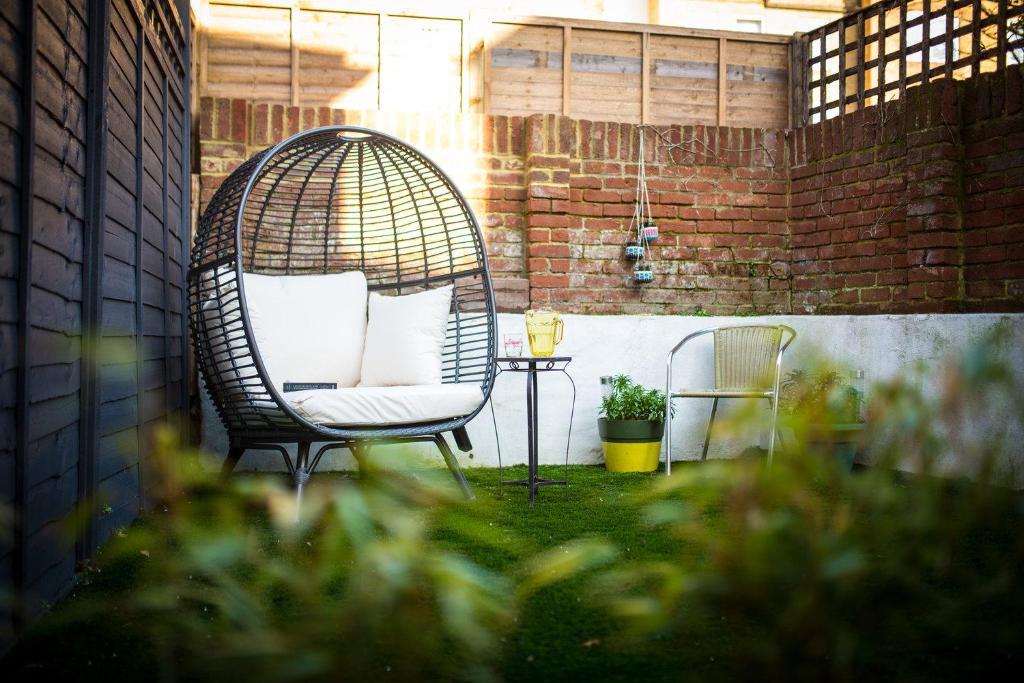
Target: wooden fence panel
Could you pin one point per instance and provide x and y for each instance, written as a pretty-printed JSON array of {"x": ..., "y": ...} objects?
[
  {"x": 351, "y": 56},
  {"x": 757, "y": 93},
  {"x": 421, "y": 64},
  {"x": 12, "y": 66},
  {"x": 525, "y": 69},
  {"x": 54, "y": 314},
  {"x": 93, "y": 200},
  {"x": 684, "y": 79},
  {"x": 605, "y": 82},
  {"x": 248, "y": 52},
  {"x": 338, "y": 57}
]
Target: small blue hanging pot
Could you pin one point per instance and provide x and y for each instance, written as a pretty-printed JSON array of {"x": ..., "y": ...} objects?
[
  {"x": 643, "y": 274},
  {"x": 634, "y": 251}
]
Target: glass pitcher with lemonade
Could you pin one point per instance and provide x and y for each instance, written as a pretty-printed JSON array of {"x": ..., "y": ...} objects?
[{"x": 544, "y": 330}]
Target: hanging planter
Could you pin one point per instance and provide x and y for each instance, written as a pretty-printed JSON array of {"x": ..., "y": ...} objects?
[
  {"x": 634, "y": 251},
  {"x": 643, "y": 273},
  {"x": 642, "y": 227}
]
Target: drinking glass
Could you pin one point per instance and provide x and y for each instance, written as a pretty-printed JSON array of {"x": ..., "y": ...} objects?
[{"x": 514, "y": 345}]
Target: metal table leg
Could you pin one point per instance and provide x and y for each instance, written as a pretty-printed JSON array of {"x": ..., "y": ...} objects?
[
  {"x": 533, "y": 480},
  {"x": 531, "y": 429}
]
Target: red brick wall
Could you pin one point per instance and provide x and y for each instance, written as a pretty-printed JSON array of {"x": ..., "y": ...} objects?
[
  {"x": 916, "y": 206},
  {"x": 993, "y": 178}
]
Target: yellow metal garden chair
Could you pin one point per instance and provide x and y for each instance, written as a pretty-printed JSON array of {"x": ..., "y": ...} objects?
[{"x": 748, "y": 364}]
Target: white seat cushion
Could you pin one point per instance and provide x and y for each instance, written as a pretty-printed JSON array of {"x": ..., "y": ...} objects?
[
  {"x": 405, "y": 338},
  {"x": 366, "y": 406},
  {"x": 309, "y": 328}
]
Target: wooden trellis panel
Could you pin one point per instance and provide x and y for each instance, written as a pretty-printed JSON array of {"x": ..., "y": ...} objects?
[{"x": 875, "y": 54}]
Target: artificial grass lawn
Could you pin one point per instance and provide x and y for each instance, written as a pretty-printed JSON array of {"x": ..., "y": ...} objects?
[{"x": 560, "y": 635}]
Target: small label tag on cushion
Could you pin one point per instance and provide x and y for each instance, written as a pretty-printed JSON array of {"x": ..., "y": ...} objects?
[{"x": 306, "y": 386}]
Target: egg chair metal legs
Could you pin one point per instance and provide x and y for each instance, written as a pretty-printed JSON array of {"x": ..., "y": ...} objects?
[
  {"x": 453, "y": 465},
  {"x": 304, "y": 466}
]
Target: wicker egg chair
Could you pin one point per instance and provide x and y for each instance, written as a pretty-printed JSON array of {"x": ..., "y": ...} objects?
[{"x": 325, "y": 201}]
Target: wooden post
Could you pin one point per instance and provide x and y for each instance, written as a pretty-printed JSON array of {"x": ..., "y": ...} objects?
[
  {"x": 722, "y": 66},
  {"x": 949, "y": 39},
  {"x": 567, "y": 70},
  {"x": 92, "y": 262},
  {"x": 293, "y": 38},
  {"x": 880, "y": 42},
  {"x": 464, "y": 67},
  {"x": 790, "y": 51},
  {"x": 204, "y": 46},
  {"x": 485, "y": 95},
  {"x": 926, "y": 39},
  {"x": 842, "y": 66},
  {"x": 645, "y": 78},
  {"x": 822, "y": 108},
  {"x": 1001, "y": 35},
  {"x": 975, "y": 38},
  {"x": 140, "y": 270},
  {"x": 860, "y": 61},
  {"x": 380, "y": 60},
  {"x": 903, "y": 49},
  {"x": 26, "y": 238}
]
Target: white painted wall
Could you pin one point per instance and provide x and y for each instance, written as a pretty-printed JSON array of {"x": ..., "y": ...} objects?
[{"x": 881, "y": 345}]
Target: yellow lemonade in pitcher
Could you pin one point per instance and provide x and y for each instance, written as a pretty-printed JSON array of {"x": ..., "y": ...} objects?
[{"x": 544, "y": 329}]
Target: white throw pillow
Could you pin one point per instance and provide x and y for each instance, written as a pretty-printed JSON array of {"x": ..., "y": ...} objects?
[
  {"x": 309, "y": 328},
  {"x": 405, "y": 338}
]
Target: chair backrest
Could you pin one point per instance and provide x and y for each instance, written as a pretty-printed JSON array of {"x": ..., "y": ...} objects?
[{"x": 745, "y": 356}]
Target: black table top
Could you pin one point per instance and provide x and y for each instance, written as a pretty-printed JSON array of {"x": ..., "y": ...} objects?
[{"x": 533, "y": 359}]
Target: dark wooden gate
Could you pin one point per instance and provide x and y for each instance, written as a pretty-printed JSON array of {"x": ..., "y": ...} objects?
[{"x": 94, "y": 195}]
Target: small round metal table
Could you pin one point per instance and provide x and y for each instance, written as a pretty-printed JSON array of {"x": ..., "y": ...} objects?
[{"x": 532, "y": 366}]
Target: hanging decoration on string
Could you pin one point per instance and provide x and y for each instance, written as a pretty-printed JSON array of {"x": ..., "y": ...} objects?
[{"x": 642, "y": 228}]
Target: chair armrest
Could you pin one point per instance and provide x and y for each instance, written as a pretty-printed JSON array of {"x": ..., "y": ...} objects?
[{"x": 671, "y": 356}]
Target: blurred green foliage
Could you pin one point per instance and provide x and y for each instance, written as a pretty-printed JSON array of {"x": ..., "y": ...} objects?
[
  {"x": 728, "y": 570},
  {"x": 829, "y": 577},
  {"x": 823, "y": 391},
  {"x": 356, "y": 590}
]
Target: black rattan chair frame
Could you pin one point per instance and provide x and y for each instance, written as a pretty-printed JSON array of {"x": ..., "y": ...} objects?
[{"x": 329, "y": 200}]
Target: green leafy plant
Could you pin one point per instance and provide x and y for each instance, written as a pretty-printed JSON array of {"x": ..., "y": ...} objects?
[
  {"x": 821, "y": 394},
  {"x": 630, "y": 400}
]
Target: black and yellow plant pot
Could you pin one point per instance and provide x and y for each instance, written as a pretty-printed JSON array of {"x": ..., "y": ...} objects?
[{"x": 630, "y": 445}]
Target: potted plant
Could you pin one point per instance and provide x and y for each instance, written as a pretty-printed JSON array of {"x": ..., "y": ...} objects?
[
  {"x": 831, "y": 408},
  {"x": 649, "y": 231},
  {"x": 631, "y": 425}
]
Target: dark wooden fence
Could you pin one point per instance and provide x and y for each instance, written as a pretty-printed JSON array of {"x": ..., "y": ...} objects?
[
  {"x": 878, "y": 52},
  {"x": 94, "y": 197}
]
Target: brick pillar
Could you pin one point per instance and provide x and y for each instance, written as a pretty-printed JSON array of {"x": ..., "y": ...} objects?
[
  {"x": 549, "y": 143},
  {"x": 934, "y": 211},
  {"x": 223, "y": 135}
]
